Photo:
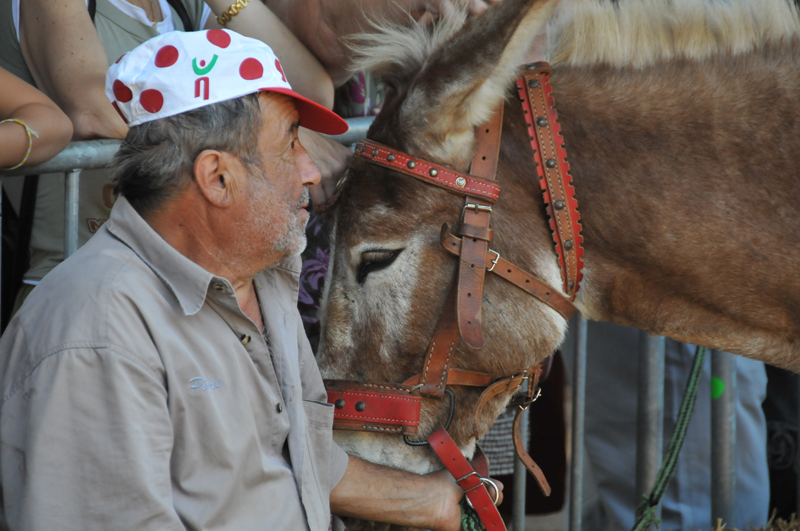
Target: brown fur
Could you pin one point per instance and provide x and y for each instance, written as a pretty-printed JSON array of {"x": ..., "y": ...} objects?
[{"x": 686, "y": 173}]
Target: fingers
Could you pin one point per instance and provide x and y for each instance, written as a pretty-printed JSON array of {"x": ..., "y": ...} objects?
[{"x": 495, "y": 494}]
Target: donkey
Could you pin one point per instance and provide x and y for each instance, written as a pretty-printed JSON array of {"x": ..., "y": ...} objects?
[{"x": 682, "y": 125}]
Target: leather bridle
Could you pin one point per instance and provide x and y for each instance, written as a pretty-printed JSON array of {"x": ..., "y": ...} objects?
[{"x": 395, "y": 407}]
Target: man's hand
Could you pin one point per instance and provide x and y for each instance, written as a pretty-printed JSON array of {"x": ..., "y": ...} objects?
[
  {"x": 331, "y": 159},
  {"x": 382, "y": 494}
]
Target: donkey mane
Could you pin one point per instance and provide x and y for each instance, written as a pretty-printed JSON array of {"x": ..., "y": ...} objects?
[{"x": 634, "y": 33}]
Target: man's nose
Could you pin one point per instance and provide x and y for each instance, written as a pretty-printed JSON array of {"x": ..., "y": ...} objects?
[{"x": 309, "y": 173}]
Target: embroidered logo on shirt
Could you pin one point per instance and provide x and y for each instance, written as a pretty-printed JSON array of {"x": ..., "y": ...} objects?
[{"x": 198, "y": 382}]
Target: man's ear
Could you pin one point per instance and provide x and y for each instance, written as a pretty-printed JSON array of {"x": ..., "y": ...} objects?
[{"x": 214, "y": 176}]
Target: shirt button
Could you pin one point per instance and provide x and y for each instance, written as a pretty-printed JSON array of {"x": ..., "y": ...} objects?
[
  {"x": 219, "y": 286},
  {"x": 245, "y": 339},
  {"x": 279, "y": 407}
]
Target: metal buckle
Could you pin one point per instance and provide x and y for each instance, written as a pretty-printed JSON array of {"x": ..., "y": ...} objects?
[
  {"x": 478, "y": 208},
  {"x": 462, "y": 478},
  {"x": 485, "y": 481},
  {"x": 531, "y": 401},
  {"x": 496, "y": 259}
]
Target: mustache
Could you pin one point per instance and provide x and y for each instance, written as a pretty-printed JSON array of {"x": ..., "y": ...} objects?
[{"x": 305, "y": 197}]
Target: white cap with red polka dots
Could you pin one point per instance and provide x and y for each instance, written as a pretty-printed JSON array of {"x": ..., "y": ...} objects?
[{"x": 180, "y": 71}]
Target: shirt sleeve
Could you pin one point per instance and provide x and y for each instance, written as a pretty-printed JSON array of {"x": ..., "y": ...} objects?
[
  {"x": 86, "y": 444},
  {"x": 339, "y": 460}
]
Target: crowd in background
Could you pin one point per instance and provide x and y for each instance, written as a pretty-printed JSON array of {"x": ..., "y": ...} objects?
[{"x": 53, "y": 62}]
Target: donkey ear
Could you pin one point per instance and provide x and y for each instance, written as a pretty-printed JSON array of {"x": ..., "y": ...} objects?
[{"x": 468, "y": 76}]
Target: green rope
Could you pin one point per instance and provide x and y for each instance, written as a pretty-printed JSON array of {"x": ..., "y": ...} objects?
[
  {"x": 470, "y": 521},
  {"x": 646, "y": 512}
]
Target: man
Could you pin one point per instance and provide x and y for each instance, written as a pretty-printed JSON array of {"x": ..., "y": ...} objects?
[{"x": 159, "y": 378}]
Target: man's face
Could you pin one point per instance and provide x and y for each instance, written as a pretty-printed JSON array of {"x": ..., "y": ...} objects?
[{"x": 276, "y": 214}]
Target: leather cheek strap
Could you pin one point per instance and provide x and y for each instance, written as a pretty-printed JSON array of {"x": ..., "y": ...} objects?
[
  {"x": 475, "y": 222},
  {"x": 508, "y": 271}
]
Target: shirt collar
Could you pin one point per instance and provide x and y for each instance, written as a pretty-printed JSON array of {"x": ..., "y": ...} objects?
[{"x": 187, "y": 280}]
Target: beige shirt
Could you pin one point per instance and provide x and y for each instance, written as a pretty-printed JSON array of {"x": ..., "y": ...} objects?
[{"x": 137, "y": 395}]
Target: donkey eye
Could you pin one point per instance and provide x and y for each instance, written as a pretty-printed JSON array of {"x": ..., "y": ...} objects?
[{"x": 375, "y": 260}]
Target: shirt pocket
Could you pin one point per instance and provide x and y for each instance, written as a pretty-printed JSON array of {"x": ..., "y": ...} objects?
[{"x": 316, "y": 484}]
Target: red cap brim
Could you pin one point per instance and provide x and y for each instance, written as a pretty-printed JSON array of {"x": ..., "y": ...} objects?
[{"x": 313, "y": 115}]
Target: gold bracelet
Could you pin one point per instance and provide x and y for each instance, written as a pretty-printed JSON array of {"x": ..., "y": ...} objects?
[
  {"x": 232, "y": 12},
  {"x": 30, "y": 134}
]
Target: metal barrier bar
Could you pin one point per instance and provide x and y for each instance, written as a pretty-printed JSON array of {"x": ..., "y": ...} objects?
[
  {"x": 85, "y": 154},
  {"x": 91, "y": 154},
  {"x": 578, "y": 408},
  {"x": 650, "y": 415},
  {"x": 71, "y": 190},
  {"x": 520, "y": 477},
  {"x": 723, "y": 437}
]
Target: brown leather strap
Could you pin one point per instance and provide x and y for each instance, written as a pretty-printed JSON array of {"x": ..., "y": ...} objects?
[
  {"x": 527, "y": 460},
  {"x": 477, "y": 214},
  {"x": 441, "y": 348},
  {"x": 520, "y": 278},
  {"x": 506, "y": 385},
  {"x": 460, "y": 377},
  {"x": 550, "y": 159}
]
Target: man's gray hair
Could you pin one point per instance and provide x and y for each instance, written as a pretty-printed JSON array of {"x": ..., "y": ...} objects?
[{"x": 156, "y": 159}]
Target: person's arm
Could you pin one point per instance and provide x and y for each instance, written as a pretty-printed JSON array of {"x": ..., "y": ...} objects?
[
  {"x": 66, "y": 58},
  {"x": 321, "y": 24},
  {"x": 20, "y": 101},
  {"x": 304, "y": 73},
  {"x": 383, "y": 494}
]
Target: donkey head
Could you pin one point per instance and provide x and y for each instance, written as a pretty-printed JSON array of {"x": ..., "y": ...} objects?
[{"x": 389, "y": 275}]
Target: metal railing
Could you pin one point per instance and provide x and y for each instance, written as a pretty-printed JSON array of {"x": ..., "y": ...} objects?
[
  {"x": 94, "y": 154},
  {"x": 650, "y": 415}
]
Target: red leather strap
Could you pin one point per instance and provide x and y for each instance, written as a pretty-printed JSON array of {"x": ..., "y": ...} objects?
[
  {"x": 467, "y": 479},
  {"x": 367, "y": 406},
  {"x": 429, "y": 172},
  {"x": 550, "y": 157}
]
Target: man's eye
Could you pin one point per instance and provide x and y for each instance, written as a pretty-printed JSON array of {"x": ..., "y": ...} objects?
[{"x": 375, "y": 260}]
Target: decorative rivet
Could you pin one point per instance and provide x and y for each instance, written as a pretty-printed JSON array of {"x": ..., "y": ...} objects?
[
  {"x": 559, "y": 205},
  {"x": 279, "y": 407},
  {"x": 360, "y": 406},
  {"x": 390, "y": 157},
  {"x": 571, "y": 285},
  {"x": 541, "y": 121},
  {"x": 530, "y": 66},
  {"x": 568, "y": 245},
  {"x": 374, "y": 152},
  {"x": 533, "y": 83},
  {"x": 461, "y": 182},
  {"x": 551, "y": 163},
  {"x": 411, "y": 164},
  {"x": 433, "y": 172},
  {"x": 245, "y": 339},
  {"x": 339, "y": 403}
]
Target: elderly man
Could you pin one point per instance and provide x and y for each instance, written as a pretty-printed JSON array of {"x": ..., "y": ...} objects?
[{"x": 159, "y": 378}]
